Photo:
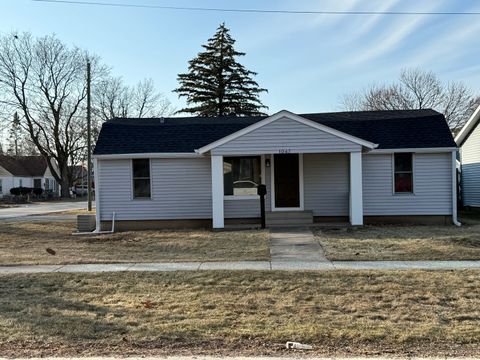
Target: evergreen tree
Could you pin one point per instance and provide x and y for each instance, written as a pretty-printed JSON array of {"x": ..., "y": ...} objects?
[
  {"x": 216, "y": 84},
  {"x": 15, "y": 137}
]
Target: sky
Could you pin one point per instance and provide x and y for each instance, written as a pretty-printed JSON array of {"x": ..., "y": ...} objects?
[{"x": 307, "y": 62}]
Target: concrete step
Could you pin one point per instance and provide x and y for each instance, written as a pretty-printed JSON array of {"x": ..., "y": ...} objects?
[
  {"x": 289, "y": 218},
  {"x": 288, "y": 215}
]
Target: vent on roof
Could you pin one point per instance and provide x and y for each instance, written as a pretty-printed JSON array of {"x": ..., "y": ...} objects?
[{"x": 162, "y": 120}]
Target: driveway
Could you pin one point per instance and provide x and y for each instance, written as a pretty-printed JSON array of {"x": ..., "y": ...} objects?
[{"x": 40, "y": 208}]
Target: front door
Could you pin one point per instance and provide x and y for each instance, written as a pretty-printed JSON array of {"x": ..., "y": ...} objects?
[{"x": 287, "y": 181}]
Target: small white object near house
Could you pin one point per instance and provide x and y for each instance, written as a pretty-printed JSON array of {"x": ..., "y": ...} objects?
[
  {"x": 468, "y": 140},
  {"x": 351, "y": 167}
]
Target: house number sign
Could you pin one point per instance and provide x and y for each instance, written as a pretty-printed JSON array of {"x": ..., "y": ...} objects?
[{"x": 284, "y": 151}]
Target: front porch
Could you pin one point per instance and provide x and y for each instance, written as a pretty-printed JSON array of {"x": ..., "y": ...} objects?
[
  {"x": 306, "y": 166},
  {"x": 301, "y": 188}
]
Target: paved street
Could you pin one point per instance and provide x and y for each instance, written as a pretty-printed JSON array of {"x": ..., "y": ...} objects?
[{"x": 40, "y": 208}]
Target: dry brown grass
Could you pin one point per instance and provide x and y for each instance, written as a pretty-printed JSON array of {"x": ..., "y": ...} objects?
[
  {"x": 26, "y": 243},
  {"x": 404, "y": 242},
  {"x": 341, "y": 312}
]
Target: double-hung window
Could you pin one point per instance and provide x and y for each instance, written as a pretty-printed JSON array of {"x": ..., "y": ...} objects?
[
  {"x": 403, "y": 173},
  {"x": 241, "y": 175},
  {"x": 141, "y": 178}
]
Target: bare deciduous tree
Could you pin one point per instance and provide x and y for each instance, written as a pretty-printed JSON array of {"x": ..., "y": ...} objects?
[
  {"x": 115, "y": 99},
  {"x": 45, "y": 81},
  {"x": 417, "y": 89}
]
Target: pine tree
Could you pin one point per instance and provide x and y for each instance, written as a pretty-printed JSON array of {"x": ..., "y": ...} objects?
[
  {"x": 15, "y": 137},
  {"x": 216, "y": 84}
]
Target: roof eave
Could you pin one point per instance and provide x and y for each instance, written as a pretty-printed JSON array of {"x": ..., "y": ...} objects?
[{"x": 468, "y": 127}]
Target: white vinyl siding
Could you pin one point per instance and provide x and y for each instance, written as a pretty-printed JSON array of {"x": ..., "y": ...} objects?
[
  {"x": 432, "y": 181},
  {"x": 470, "y": 156},
  {"x": 327, "y": 179},
  {"x": 285, "y": 135},
  {"x": 181, "y": 189}
]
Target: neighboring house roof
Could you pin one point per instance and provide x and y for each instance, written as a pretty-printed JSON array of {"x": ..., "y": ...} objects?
[
  {"x": 469, "y": 126},
  {"x": 389, "y": 129},
  {"x": 24, "y": 165}
]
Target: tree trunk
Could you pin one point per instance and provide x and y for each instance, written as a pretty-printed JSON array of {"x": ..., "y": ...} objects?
[
  {"x": 65, "y": 181},
  {"x": 65, "y": 187}
]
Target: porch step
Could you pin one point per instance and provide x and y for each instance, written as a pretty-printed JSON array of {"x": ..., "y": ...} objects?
[{"x": 288, "y": 218}]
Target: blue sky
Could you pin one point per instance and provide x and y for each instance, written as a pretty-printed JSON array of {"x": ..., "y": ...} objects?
[{"x": 307, "y": 62}]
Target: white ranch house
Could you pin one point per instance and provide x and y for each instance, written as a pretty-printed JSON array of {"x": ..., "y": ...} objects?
[
  {"x": 356, "y": 167},
  {"x": 26, "y": 171}
]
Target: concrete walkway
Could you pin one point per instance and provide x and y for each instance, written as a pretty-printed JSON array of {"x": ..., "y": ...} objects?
[
  {"x": 244, "y": 265},
  {"x": 295, "y": 244}
]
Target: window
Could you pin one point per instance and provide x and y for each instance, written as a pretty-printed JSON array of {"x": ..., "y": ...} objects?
[
  {"x": 47, "y": 184},
  {"x": 403, "y": 173},
  {"x": 241, "y": 175},
  {"x": 141, "y": 178},
  {"x": 1, "y": 186},
  {"x": 37, "y": 183}
]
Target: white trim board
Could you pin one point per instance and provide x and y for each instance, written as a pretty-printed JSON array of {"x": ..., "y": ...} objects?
[
  {"x": 413, "y": 150},
  {"x": 468, "y": 127},
  {"x": 291, "y": 116}
]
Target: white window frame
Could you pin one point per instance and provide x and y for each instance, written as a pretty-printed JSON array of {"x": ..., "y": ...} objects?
[
  {"x": 262, "y": 179},
  {"x": 413, "y": 177},
  {"x": 133, "y": 179},
  {"x": 301, "y": 185}
]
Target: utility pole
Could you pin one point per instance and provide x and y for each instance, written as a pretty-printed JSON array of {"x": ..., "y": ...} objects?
[{"x": 89, "y": 141}]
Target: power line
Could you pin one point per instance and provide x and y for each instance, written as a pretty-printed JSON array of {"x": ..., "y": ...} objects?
[{"x": 261, "y": 11}]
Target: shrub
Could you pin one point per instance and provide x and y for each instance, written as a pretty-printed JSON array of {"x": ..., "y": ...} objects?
[
  {"x": 15, "y": 191},
  {"x": 38, "y": 191},
  {"x": 20, "y": 191}
]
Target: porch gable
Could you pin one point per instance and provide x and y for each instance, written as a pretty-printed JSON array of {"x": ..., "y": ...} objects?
[{"x": 286, "y": 132}]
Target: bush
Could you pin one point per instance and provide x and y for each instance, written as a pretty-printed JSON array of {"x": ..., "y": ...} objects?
[
  {"x": 37, "y": 191},
  {"x": 20, "y": 191}
]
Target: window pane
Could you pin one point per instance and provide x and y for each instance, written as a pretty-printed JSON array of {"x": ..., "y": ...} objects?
[
  {"x": 141, "y": 168},
  {"x": 241, "y": 175},
  {"x": 228, "y": 176},
  {"x": 403, "y": 162},
  {"x": 141, "y": 188},
  {"x": 403, "y": 183}
]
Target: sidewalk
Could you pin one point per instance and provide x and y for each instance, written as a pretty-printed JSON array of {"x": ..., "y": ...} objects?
[{"x": 244, "y": 265}]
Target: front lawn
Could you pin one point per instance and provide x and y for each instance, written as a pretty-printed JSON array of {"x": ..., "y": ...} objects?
[
  {"x": 26, "y": 243},
  {"x": 386, "y": 242},
  {"x": 411, "y": 313}
]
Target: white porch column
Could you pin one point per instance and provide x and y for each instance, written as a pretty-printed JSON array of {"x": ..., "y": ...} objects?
[
  {"x": 356, "y": 195},
  {"x": 217, "y": 192}
]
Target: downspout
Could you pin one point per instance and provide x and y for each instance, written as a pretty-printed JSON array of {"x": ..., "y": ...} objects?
[
  {"x": 98, "y": 225},
  {"x": 454, "y": 190}
]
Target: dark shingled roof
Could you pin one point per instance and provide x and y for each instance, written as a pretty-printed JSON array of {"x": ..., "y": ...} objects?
[
  {"x": 24, "y": 165},
  {"x": 389, "y": 129}
]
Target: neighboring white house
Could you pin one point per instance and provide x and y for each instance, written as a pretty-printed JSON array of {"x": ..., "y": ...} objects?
[
  {"x": 26, "y": 171},
  {"x": 468, "y": 140},
  {"x": 356, "y": 167}
]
